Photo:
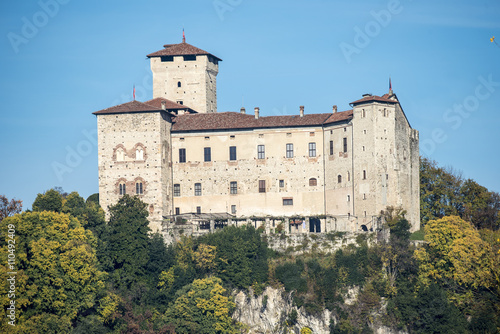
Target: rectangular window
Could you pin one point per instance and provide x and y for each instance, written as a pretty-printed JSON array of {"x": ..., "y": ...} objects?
[
  {"x": 207, "y": 154},
  {"x": 262, "y": 186},
  {"x": 177, "y": 190},
  {"x": 232, "y": 153},
  {"x": 261, "y": 152},
  {"x": 198, "y": 209},
  {"x": 331, "y": 147},
  {"x": 282, "y": 183},
  {"x": 364, "y": 174},
  {"x": 289, "y": 150},
  {"x": 197, "y": 189},
  {"x": 287, "y": 201},
  {"x": 177, "y": 211},
  {"x": 233, "y": 187},
  {"x": 190, "y": 58},
  {"x": 233, "y": 209},
  {"x": 167, "y": 58},
  {"x": 345, "y": 145},
  {"x": 312, "y": 149},
  {"x": 182, "y": 155}
]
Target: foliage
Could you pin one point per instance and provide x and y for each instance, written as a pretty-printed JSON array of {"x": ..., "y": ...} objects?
[
  {"x": 241, "y": 255},
  {"x": 202, "y": 307},
  {"x": 127, "y": 241},
  {"x": 9, "y": 208},
  {"x": 51, "y": 200},
  {"x": 57, "y": 276},
  {"x": 443, "y": 192}
]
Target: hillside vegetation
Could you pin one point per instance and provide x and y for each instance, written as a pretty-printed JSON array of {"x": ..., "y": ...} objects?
[{"x": 75, "y": 272}]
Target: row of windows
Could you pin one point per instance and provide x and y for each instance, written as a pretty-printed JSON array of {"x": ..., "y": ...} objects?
[
  {"x": 233, "y": 187},
  {"x": 120, "y": 154},
  {"x": 139, "y": 188},
  {"x": 261, "y": 152}
]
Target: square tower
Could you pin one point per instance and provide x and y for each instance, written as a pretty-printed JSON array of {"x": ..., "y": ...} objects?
[{"x": 187, "y": 75}]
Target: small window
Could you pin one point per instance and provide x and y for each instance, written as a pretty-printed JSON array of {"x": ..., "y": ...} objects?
[
  {"x": 345, "y": 145},
  {"x": 207, "y": 154},
  {"x": 198, "y": 209},
  {"x": 363, "y": 113},
  {"x": 177, "y": 190},
  {"x": 232, "y": 137},
  {"x": 167, "y": 58},
  {"x": 180, "y": 102},
  {"x": 282, "y": 183},
  {"x": 348, "y": 198},
  {"x": 233, "y": 187},
  {"x": 120, "y": 154},
  {"x": 177, "y": 211},
  {"x": 139, "y": 154},
  {"x": 197, "y": 189},
  {"x": 138, "y": 188},
  {"x": 313, "y": 182},
  {"x": 289, "y": 150},
  {"x": 348, "y": 176},
  {"x": 311, "y": 134},
  {"x": 233, "y": 209},
  {"x": 339, "y": 178},
  {"x": 182, "y": 155},
  {"x": 123, "y": 190},
  {"x": 262, "y": 186},
  {"x": 312, "y": 149},
  {"x": 179, "y": 84},
  {"x": 364, "y": 174},
  {"x": 261, "y": 152},
  {"x": 287, "y": 201},
  {"x": 331, "y": 147},
  {"x": 232, "y": 153}
]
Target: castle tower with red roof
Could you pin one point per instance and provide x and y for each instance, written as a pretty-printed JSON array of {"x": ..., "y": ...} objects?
[{"x": 187, "y": 75}]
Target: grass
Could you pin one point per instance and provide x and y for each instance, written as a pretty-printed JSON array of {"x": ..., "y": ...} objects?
[{"x": 417, "y": 235}]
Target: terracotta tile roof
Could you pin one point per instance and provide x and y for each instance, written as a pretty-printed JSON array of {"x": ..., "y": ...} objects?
[
  {"x": 132, "y": 106},
  {"x": 375, "y": 98},
  {"x": 181, "y": 49},
  {"x": 235, "y": 120},
  {"x": 169, "y": 105}
]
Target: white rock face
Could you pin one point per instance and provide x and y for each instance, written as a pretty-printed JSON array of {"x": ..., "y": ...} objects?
[{"x": 271, "y": 317}]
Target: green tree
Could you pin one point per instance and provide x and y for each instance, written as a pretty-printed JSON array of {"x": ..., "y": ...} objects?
[
  {"x": 51, "y": 200},
  {"x": 202, "y": 307},
  {"x": 127, "y": 241},
  {"x": 57, "y": 274},
  {"x": 480, "y": 207}
]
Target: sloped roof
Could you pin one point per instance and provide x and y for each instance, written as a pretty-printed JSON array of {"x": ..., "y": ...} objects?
[
  {"x": 372, "y": 98},
  {"x": 132, "y": 106},
  {"x": 181, "y": 49},
  {"x": 234, "y": 120},
  {"x": 169, "y": 105}
]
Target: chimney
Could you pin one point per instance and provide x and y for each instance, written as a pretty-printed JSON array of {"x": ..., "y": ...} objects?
[
  {"x": 301, "y": 111},
  {"x": 242, "y": 110},
  {"x": 256, "y": 109},
  {"x": 334, "y": 108},
  {"x": 163, "y": 105}
]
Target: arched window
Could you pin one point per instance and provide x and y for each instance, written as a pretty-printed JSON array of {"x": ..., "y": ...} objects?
[
  {"x": 179, "y": 84},
  {"x": 313, "y": 182},
  {"x": 339, "y": 178},
  {"x": 120, "y": 154},
  {"x": 139, "y": 153},
  {"x": 138, "y": 188},
  {"x": 122, "y": 188}
]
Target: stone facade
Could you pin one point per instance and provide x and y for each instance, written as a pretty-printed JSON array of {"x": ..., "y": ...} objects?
[{"x": 332, "y": 171}]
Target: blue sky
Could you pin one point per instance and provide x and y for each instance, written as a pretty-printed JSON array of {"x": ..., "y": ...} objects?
[{"x": 61, "y": 60}]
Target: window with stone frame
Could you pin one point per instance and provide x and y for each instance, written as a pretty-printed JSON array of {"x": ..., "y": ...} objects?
[
  {"x": 312, "y": 149},
  {"x": 313, "y": 182},
  {"x": 122, "y": 188},
  {"x": 182, "y": 155},
  {"x": 287, "y": 201},
  {"x": 139, "y": 153},
  {"x": 232, "y": 153},
  {"x": 331, "y": 147},
  {"x": 345, "y": 144},
  {"x": 261, "y": 152},
  {"x": 120, "y": 154},
  {"x": 197, "y": 189},
  {"x": 289, "y": 151},
  {"x": 233, "y": 187},
  {"x": 138, "y": 188},
  {"x": 207, "y": 153},
  {"x": 177, "y": 190},
  {"x": 262, "y": 186}
]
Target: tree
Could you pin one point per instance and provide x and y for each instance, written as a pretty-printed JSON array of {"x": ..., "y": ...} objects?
[
  {"x": 481, "y": 207},
  {"x": 127, "y": 241},
  {"x": 51, "y": 200},
  {"x": 455, "y": 253},
  {"x": 202, "y": 307},
  {"x": 57, "y": 277},
  {"x": 9, "y": 208}
]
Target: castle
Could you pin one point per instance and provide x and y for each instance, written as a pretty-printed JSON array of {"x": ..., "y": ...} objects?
[{"x": 199, "y": 168}]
